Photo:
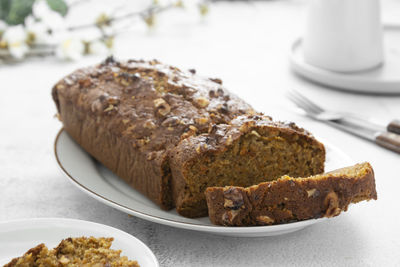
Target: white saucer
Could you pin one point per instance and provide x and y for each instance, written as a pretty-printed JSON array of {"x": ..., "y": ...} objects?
[
  {"x": 384, "y": 79},
  {"x": 17, "y": 237},
  {"x": 97, "y": 181}
]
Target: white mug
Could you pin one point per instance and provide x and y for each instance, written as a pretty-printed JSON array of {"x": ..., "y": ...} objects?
[{"x": 344, "y": 35}]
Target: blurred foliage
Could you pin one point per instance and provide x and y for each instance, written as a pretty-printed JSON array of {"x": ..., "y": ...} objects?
[
  {"x": 14, "y": 12},
  {"x": 59, "y": 6}
]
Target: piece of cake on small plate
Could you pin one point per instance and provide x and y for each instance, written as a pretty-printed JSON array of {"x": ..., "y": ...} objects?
[{"x": 81, "y": 251}]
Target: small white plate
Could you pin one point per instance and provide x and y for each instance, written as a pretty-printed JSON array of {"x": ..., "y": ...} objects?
[
  {"x": 99, "y": 182},
  {"x": 17, "y": 237},
  {"x": 384, "y": 79}
]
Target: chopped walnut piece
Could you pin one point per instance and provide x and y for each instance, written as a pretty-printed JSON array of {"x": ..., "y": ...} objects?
[
  {"x": 192, "y": 131},
  {"x": 246, "y": 126},
  {"x": 229, "y": 140},
  {"x": 216, "y": 80},
  {"x": 198, "y": 149},
  {"x": 149, "y": 124},
  {"x": 151, "y": 156},
  {"x": 64, "y": 260},
  {"x": 158, "y": 102},
  {"x": 255, "y": 133},
  {"x": 60, "y": 86},
  {"x": 265, "y": 219},
  {"x": 202, "y": 102},
  {"x": 85, "y": 83},
  {"x": 171, "y": 121},
  {"x": 202, "y": 120},
  {"x": 109, "y": 108},
  {"x": 133, "y": 97},
  {"x": 331, "y": 202},
  {"x": 233, "y": 199},
  {"x": 113, "y": 100},
  {"x": 125, "y": 121},
  {"x": 229, "y": 216},
  {"x": 162, "y": 106},
  {"x": 312, "y": 192},
  {"x": 243, "y": 128},
  {"x": 192, "y": 128}
]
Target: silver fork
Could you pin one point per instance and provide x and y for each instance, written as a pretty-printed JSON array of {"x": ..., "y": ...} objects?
[
  {"x": 316, "y": 112},
  {"x": 351, "y": 123}
]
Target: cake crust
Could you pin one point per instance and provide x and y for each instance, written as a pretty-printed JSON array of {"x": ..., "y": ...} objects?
[{"x": 289, "y": 199}]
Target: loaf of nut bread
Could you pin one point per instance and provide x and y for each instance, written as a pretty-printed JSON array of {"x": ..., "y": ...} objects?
[
  {"x": 291, "y": 199},
  {"x": 249, "y": 150},
  {"x": 129, "y": 115}
]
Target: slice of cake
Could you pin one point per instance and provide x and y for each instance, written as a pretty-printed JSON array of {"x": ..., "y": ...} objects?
[
  {"x": 291, "y": 199},
  {"x": 250, "y": 150},
  {"x": 80, "y": 251}
]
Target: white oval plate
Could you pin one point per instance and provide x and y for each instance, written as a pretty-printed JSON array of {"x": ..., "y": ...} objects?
[
  {"x": 99, "y": 182},
  {"x": 17, "y": 237}
]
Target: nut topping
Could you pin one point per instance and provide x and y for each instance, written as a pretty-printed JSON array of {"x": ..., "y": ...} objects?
[
  {"x": 192, "y": 128},
  {"x": 255, "y": 133},
  {"x": 216, "y": 80},
  {"x": 229, "y": 216},
  {"x": 202, "y": 120},
  {"x": 202, "y": 102},
  {"x": 162, "y": 106},
  {"x": 109, "y": 108},
  {"x": 331, "y": 203},
  {"x": 60, "y": 86},
  {"x": 85, "y": 83},
  {"x": 233, "y": 198},
  {"x": 113, "y": 100},
  {"x": 158, "y": 102},
  {"x": 149, "y": 124},
  {"x": 265, "y": 219},
  {"x": 198, "y": 149},
  {"x": 311, "y": 192},
  {"x": 229, "y": 140},
  {"x": 171, "y": 121}
]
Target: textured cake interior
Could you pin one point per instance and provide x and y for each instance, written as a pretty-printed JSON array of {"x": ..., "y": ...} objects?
[
  {"x": 357, "y": 171},
  {"x": 253, "y": 158},
  {"x": 81, "y": 251}
]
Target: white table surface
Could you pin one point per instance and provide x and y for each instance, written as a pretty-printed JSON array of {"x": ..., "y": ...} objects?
[{"x": 247, "y": 46}]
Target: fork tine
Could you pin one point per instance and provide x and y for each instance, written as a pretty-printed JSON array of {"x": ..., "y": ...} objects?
[
  {"x": 299, "y": 103},
  {"x": 306, "y": 101}
]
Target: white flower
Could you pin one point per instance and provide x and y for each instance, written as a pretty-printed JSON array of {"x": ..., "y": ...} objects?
[
  {"x": 164, "y": 2},
  {"x": 15, "y": 38},
  {"x": 3, "y": 26},
  {"x": 72, "y": 49},
  {"x": 47, "y": 16},
  {"x": 98, "y": 48},
  {"x": 38, "y": 31}
]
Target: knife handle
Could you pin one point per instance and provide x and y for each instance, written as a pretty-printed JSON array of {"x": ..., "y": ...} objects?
[
  {"x": 389, "y": 140},
  {"x": 394, "y": 126}
]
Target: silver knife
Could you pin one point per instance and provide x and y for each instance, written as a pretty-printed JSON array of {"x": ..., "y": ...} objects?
[{"x": 386, "y": 139}]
